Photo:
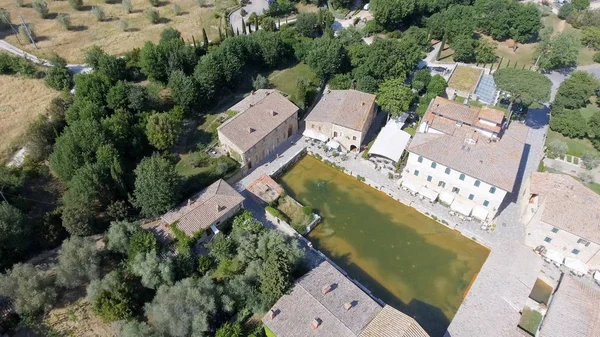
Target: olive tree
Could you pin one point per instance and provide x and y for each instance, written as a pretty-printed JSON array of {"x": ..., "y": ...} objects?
[
  {"x": 30, "y": 289},
  {"x": 78, "y": 262},
  {"x": 153, "y": 270}
]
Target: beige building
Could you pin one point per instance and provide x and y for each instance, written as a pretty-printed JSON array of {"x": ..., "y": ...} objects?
[
  {"x": 344, "y": 116},
  {"x": 205, "y": 210},
  {"x": 265, "y": 119},
  {"x": 562, "y": 215}
]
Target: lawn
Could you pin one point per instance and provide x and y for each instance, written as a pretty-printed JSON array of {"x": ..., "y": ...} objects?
[
  {"x": 577, "y": 147},
  {"x": 21, "y": 101},
  {"x": 295, "y": 212},
  {"x": 285, "y": 80},
  {"x": 410, "y": 131},
  {"x": 590, "y": 109},
  {"x": 530, "y": 321},
  {"x": 464, "y": 78},
  {"x": 88, "y": 32}
]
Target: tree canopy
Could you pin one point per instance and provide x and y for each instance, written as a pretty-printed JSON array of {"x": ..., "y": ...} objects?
[
  {"x": 156, "y": 185},
  {"x": 395, "y": 97},
  {"x": 527, "y": 85}
]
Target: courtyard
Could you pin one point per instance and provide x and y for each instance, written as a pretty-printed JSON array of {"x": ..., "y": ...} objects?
[{"x": 403, "y": 257}]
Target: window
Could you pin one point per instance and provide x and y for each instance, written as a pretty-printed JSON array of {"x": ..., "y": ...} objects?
[
  {"x": 584, "y": 242},
  {"x": 547, "y": 239},
  {"x": 353, "y": 137},
  {"x": 554, "y": 230},
  {"x": 447, "y": 170},
  {"x": 462, "y": 177},
  {"x": 420, "y": 160},
  {"x": 442, "y": 184},
  {"x": 429, "y": 178},
  {"x": 492, "y": 190},
  {"x": 486, "y": 203},
  {"x": 575, "y": 251},
  {"x": 455, "y": 190},
  {"x": 433, "y": 164},
  {"x": 471, "y": 197},
  {"x": 417, "y": 173},
  {"x": 477, "y": 183}
]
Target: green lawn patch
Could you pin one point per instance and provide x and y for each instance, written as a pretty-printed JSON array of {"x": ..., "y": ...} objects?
[
  {"x": 269, "y": 332},
  {"x": 594, "y": 187},
  {"x": 410, "y": 131},
  {"x": 530, "y": 321},
  {"x": 299, "y": 219},
  {"x": 577, "y": 147},
  {"x": 465, "y": 78},
  {"x": 589, "y": 110},
  {"x": 285, "y": 80}
]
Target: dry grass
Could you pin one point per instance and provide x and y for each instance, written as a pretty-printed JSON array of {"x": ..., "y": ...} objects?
[
  {"x": 88, "y": 32},
  {"x": 21, "y": 101},
  {"x": 464, "y": 78},
  {"x": 77, "y": 319}
]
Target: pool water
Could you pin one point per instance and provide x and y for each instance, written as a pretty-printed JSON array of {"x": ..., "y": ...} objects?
[{"x": 406, "y": 259}]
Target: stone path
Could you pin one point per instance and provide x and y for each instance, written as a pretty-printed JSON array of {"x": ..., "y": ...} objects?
[{"x": 571, "y": 169}]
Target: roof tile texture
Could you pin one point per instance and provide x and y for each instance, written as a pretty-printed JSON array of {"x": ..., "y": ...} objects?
[{"x": 347, "y": 108}]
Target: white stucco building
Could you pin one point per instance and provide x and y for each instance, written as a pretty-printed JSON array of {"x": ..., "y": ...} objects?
[
  {"x": 464, "y": 157},
  {"x": 342, "y": 115},
  {"x": 562, "y": 215}
]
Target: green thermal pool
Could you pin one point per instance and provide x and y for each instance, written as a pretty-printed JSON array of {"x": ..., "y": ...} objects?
[{"x": 406, "y": 259}]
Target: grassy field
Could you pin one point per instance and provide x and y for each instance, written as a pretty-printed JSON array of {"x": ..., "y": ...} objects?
[
  {"x": 590, "y": 109},
  {"x": 577, "y": 147},
  {"x": 464, "y": 78},
  {"x": 285, "y": 80},
  {"x": 21, "y": 101},
  {"x": 88, "y": 32},
  {"x": 530, "y": 321}
]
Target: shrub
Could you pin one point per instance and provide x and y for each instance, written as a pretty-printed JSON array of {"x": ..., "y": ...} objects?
[
  {"x": 176, "y": 9},
  {"x": 276, "y": 213},
  {"x": 19, "y": 3},
  {"x": 76, "y": 4},
  {"x": 127, "y": 6},
  {"x": 307, "y": 210},
  {"x": 360, "y": 178},
  {"x": 201, "y": 2},
  {"x": 597, "y": 57},
  {"x": 586, "y": 177},
  {"x": 205, "y": 263},
  {"x": 590, "y": 160},
  {"x": 154, "y": 3},
  {"x": 98, "y": 13},
  {"x": 199, "y": 159},
  {"x": 4, "y": 18},
  {"x": 123, "y": 25},
  {"x": 152, "y": 15},
  {"x": 260, "y": 82},
  {"x": 41, "y": 8},
  {"x": 557, "y": 148},
  {"x": 23, "y": 32},
  {"x": 64, "y": 20}
]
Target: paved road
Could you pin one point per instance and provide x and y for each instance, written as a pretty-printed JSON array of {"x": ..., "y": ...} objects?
[
  {"x": 256, "y": 6},
  {"x": 74, "y": 68},
  {"x": 558, "y": 76}
]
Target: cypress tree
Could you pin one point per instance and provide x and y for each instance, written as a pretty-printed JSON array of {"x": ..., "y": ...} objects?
[
  {"x": 237, "y": 31},
  {"x": 205, "y": 38},
  {"x": 244, "y": 27},
  {"x": 256, "y": 23}
]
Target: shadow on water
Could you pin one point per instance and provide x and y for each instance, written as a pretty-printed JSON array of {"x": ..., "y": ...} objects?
[{"x": 404, "y": 258}]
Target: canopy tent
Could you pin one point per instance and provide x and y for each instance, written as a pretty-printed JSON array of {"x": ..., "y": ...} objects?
[
  {"x": 428, "y": 193},
  {"x": 332, "y": 144},
  {"x": 310, "y": 133},
  {"x": 391, "y": 141},
  {"x": 461, "y": 208},
  {"x": 555, "y": 256},
  {"x": 480, "y": 213},
  {"x": 576, "y": 265},
  {"x": 447, "y": 197},
  {"x": 597, "y": 275},
  {"x": 410, "y": 185}
]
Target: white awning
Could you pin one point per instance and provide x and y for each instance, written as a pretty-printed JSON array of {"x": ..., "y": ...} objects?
[
  {"x": 410, "y": 185},
  {"x": 447, "y": 197},
  {"x": 428, "y": 193},
  {"x": 555, "y": 256},
  {"x": 576, "y": 265},
  {"x": 480, "y": 213},
  {"x": 461, "y": 208},
  {"x": 332, "y": 144},
  {"x": 390, "y": 142},
  {"x": 597, "y": 275},
  {"x": 310, "y": 133}
]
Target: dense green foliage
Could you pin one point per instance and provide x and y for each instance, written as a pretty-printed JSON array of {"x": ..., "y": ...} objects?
[
  {"x": 528, "y": 86},
  {"x": 558, "y": 51},
  {"x": 157, "y": 185},
  {"x": 30, "y": 289},
  {"x": 395, "y": 97},
  {"x": 78, "y": 262},
  {"x": 14, "y": 234}
]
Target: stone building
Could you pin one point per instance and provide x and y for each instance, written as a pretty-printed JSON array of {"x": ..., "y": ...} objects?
[
  {"x": 264, "y": 121},
  {"x": 562, "y": 215},
  {"x": 463, "y": 156},
  {"x": 344, "y": 116}
]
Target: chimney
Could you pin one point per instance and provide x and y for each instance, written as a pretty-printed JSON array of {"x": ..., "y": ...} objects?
[
  {"x": 250, "y": 130},
  {"x": 273, "y": 113},
  {"x": 252, "y": 93},
  {"x": 316, "y": 323},
  {"x": 327, "y": 289},
  {"x": 189, "y": 202},
  {"x": 219, "y": 208},
  {"x": 272, "y": 314},
  {"x": 362, "y": 103},
  {"x": 348, "y": 306}
]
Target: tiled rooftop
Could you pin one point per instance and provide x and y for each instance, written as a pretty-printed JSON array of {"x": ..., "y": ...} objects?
[{"x": 347, "y": 108}]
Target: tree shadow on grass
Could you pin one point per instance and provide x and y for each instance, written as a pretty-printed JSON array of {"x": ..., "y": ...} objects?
[
  {"x": 78, "y": 28},
  {"x": 164, "y": 20}
]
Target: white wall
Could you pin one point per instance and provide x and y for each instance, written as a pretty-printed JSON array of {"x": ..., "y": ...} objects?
[{"x": 467, "y": 186}]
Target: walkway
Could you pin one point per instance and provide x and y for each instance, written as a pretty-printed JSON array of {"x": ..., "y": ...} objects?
[{"x": 73, "y": 68}]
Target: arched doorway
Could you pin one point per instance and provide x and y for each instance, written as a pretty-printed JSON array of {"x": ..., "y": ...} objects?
[
  {"x": 290, "y": 130},
  {"x": 353, "y": 148}
]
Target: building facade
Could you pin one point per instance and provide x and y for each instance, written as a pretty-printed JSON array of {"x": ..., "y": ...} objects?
[
  {"x": 463, "y": 156},
  {"x": 265, "y": 120},
  {"x": 344, "y": 116},
  {"x": 562, "y": 215}
]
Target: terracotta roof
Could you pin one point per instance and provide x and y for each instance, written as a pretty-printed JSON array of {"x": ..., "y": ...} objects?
[
  {"x": 568, "y": 204},
  {"x": 456, "y": 111},
  {"x": 266, "y": 189},
  {"x": 393, "y": 323},
  {"x": 262, "y": 116},
  {"x": 574, "y": 310},
  {"x": 495, "y": 162},
  {"x": 203, "y": 209},
  {"x": 347, "y": 108},
  {"x": 295, "y": 311}
]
